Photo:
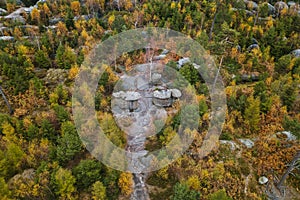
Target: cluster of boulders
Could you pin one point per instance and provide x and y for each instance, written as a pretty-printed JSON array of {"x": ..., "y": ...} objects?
[
  {"x": 251, "y": 7},
  {"x": 55, "y": 76}
]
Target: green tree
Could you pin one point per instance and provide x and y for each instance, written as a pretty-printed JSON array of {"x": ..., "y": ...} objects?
[
  {"x": 203, "y": 108},
  {"x": 4, "y": 190},
  {"x": 10, "y": 160},
  {"x": 288, "y": 96},
  {"x": 110, "y": 181},
  {"x": 61, "y": 113},
  {"x": 190, "y": 73},
  {"x": 219, "y": 195},
  {"x": 63, "y": 183},
  {"x": 59, "y": 56},
  {"x": 292, "y": 125},
  {"x": 283, "y": 64},
  {"x": 69, "y": 143},
  {"x": 182, "y": 191},
  {"x": 32, "y": 132},
  {"x": 41, "y": 59},
  {"x": 65, "y": 57},
  {"x": 167, "y": 135},
  {"x": 16, "y": 71},
  {"x": 59, "y": 96},
  {"x": 87, "y": 172},
  {"x": 260, "y": 91},
  {"x": 47, "y": 130},
  {"x": 69, "y": 19},
  {"x": 252, "y": 113},
  {"x": 98, "y": 191}
]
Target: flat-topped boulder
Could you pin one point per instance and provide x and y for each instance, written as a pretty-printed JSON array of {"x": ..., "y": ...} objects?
[
  {"x": 162, "y": 94},
  {"x": 127, "y": 95},
  {"x": 176, "y": 93},
  {"x": 132, "y": 96}
]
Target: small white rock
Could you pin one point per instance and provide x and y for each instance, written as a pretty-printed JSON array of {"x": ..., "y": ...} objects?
[{"x": 263, "y": 180}]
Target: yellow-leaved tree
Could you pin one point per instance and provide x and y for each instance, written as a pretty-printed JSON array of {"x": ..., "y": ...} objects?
[{"x": 125, "y": 183}]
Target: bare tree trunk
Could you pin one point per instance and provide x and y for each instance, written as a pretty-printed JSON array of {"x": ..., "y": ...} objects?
[
  {"x": 213, "y": 22},
  {"x": 256, "y": 18},
  {"x": 292, "y": 166},
  {"x": 6, "y": 101},
  {"x": 202, "y": 22}
]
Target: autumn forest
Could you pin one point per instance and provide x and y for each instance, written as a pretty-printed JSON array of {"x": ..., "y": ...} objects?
[{"x": 255, "y": 46}]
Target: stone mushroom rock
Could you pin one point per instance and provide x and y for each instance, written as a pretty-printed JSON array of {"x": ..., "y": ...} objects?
[
  {"x": 162, "y": 98},
  {"x": 247, "y": 142},
  {"x": 263, "y": 180}
]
